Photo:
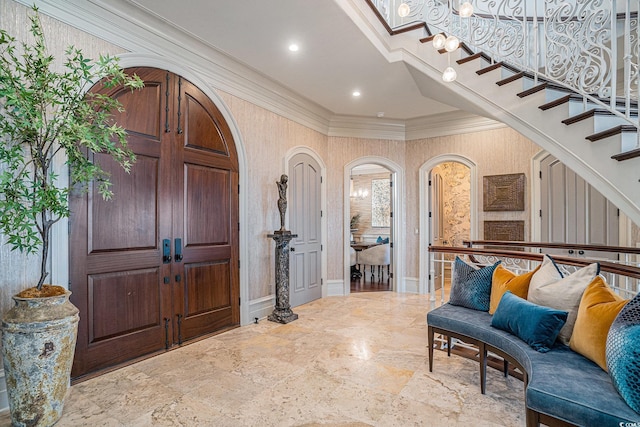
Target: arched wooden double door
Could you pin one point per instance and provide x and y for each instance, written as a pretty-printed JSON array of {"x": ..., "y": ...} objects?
[{"x": 158, "y": 264}]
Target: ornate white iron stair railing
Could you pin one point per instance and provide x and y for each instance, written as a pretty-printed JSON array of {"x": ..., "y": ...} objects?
[
  {"x": 589, "y": 46},
  {"x": 561, "y": 119}
]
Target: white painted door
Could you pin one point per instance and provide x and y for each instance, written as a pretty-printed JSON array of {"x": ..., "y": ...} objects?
[
  {"x": 574, "y": 212},
  {"x": 305, "y": 268},
  {"x": 436, "y": 222}
]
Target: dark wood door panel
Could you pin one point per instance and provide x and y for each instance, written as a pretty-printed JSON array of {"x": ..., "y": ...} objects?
[
  {"x": 128, "y": 221},
  {"x": 207, "y": 218},
  {"x": 208, "y": 287},
  {"x": 201, "y": 130},
  {"x": 138, "y": 120},
  {"x": 201, "y": 117},
  {"x": 124, "y": 302}
]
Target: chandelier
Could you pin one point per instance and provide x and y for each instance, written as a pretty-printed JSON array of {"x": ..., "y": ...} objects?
[{"x": 440, "y": 41}]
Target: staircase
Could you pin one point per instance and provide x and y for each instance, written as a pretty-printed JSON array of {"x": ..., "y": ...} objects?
[{"x": 596, "y": 141}]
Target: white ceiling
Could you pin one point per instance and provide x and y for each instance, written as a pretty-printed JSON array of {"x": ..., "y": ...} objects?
[{"x": 334, "y": 59}]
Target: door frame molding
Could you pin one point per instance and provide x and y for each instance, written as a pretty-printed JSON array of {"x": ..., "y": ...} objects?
[
  {"x": 397, "y": 283},
  {"x": 536, "y": 194},
  {"x": 323, "y": 204},
  {"x": 425, "y": 169},
  {"x": 60, "y": 241}
]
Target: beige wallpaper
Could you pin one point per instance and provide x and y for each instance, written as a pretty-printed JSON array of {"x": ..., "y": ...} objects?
[
  {"x": 495, "y": 152},
  {"x": 267, "y": 137}
]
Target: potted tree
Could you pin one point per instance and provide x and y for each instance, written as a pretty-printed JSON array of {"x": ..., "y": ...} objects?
[{"x": 46, "y": 115}]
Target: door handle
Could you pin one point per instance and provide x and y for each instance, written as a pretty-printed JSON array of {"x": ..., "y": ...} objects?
[
  {"x": 292, "y": 249},
  {"x": 166, "y": 251},
  {"x": 178, "y": 249}
]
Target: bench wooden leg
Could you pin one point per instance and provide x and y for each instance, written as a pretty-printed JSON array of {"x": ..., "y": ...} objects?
[
  {"x": 506, "y": 367},
  {"x": 533, "y": 418},
  {"x": 483, "y": 366},
  {"x": 448, "y": 346},
  {"x": 430, "y": 332}
]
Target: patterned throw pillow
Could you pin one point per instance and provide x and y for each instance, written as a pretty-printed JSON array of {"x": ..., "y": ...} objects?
[
  {"x": 471, "y": 287},
  {"x": 623, "y": 353}
]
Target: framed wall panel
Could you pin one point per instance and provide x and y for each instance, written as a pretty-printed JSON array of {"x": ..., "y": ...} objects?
[{"x": 503, "y": 192}]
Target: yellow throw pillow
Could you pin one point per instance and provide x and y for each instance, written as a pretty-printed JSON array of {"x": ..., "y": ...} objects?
[
  {"x": 504, "y": 280},
  {"x": 598, "y": 308}
]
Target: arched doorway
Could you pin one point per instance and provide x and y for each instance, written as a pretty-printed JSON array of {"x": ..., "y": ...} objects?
[
  {"x": 397, "y": 237},
  {"x": 456, "y": 175},
  {"x": 307, "y": 195},
  {"x": 158, "y": 265}
]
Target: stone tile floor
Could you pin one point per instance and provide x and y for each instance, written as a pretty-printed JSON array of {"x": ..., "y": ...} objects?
[{"x": 359, "y": 360}]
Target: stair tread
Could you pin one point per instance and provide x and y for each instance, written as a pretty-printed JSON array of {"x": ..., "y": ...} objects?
[
  {"x": 627, "y": 155},
  {"x": 489, "y": 68},
  {"x": 510, "y": 79},
  {"x": 469, "y": 58},
  {"x": 532, "y": 90},
  {"x": 587, "y": 114},
  {"x": 611, "y": 132},
  {"x": 427, "y": 39}
]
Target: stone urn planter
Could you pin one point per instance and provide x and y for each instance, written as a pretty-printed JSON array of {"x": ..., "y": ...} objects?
[{"x": 38, "y": 344}]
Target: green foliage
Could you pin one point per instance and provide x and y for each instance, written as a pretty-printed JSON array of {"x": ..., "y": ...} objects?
[
  {"x": 46, "y": 113},
  {"x": 355, "y": 220}
]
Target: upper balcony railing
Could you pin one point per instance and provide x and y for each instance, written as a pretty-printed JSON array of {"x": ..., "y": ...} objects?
[{"x": 588, "y": 46}]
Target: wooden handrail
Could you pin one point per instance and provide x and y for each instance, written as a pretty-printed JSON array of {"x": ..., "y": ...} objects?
[
  {"x": 609, "y": 267},
  {"x": 545, "y": 245}
]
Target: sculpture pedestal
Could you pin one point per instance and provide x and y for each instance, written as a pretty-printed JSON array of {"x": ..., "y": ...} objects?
[{"x": 282, "y": 312}]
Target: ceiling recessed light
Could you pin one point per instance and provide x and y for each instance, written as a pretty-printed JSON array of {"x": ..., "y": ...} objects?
[
  {"x": 380, "y": 113},
  {"x": 356, "y": 93},
  {"x": 294, "y": 47}
]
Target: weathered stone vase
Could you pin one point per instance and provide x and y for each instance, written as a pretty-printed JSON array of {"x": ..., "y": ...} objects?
[{"x": 38, "y": 344}]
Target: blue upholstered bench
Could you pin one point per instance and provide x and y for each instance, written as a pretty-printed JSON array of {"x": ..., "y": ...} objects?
[{"x": 561, "y": 386}]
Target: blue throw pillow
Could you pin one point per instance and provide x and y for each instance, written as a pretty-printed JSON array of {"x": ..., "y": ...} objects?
[
  {"x": 471, "y": 287},
  {"x": 623, "y": 353},
  {"x": 534, "y": 324},
  {"x": 379, "y": 239},
  {"x": 385, "y": 241}
]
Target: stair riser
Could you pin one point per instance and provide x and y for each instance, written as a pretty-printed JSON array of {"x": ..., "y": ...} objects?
[
  {"x": 593, "y": 124},
  {"x": 628, "y": 141}
]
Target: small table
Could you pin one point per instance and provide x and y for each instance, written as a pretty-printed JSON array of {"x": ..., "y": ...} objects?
[{"x": 362, "y": 245}]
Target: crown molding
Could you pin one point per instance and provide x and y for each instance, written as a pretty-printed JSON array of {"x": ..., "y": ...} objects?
[
  {"x": 123, "y": 24},
  {"x": 450, "y": 123},
  {"x": 367, "y": 128}
]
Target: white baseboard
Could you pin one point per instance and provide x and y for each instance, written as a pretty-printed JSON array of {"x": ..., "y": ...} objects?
[
  {"x": 334, "y": 288},
  {"x": 261, "y": 307},
  {"x": 411, "y": 285}
]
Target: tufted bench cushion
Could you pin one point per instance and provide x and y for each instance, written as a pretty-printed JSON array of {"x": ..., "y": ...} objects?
[{"x": 560, "y": 383}]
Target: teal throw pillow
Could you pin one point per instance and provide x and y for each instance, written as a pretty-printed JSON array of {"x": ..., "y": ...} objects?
[
  {"x": 623, "y": 353},
  {"x": 470, "y": 286},
  {"x": 534, "y": 324}
]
